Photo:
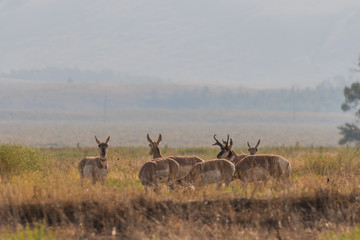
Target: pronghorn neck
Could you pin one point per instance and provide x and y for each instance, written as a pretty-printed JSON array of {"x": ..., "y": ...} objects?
[
  {"x": 156, "y": 153},
  {"x": 102, "y": 163},
  {"x": 232, "y": 155}
]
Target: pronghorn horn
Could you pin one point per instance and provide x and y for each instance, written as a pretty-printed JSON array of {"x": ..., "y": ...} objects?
[
  {"x": 149, "y": 139},
  {"x": 217, "y": 142},
  {"x": 227, "y": 141},
  {"x": 257, "y": 144},
  {"x": 97, "y": 140},
  {"x": 159, "y": 139}
]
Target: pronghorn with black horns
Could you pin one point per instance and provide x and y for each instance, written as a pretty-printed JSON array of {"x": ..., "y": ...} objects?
[
  {"x": 227, "y": 152},
  {"x": 185, "y": 162},
  {"x": 95, "y": 168},
  {"x": 251, "y": 168}
]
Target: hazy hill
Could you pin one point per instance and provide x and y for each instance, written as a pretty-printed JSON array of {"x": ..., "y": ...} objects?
[{"x": 102, "y": 91}]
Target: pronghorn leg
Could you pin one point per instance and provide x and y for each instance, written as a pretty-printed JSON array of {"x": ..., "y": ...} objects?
[
  {"x": 171, "y": 186},
  {"x": 245, "y": 186},
  {"x": 227, "y": 183},
  {"x": 256, "y": 185}
]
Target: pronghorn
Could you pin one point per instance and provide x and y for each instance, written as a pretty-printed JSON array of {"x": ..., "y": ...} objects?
[
  {"x": 252, "y": 150},
  {"x": 254, "y": 167},
  {"x": 95, "y": 168},
  {"x": 163, "y": 170},
  {"x": 227, "y": 152},
  {"x": 262, "y": 167},
  {"x": 214, "y": 171},
  {"x": 185, "y": 162}
]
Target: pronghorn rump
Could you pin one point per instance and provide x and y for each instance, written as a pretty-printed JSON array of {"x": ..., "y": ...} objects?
[{"x": 161, "y": 170}]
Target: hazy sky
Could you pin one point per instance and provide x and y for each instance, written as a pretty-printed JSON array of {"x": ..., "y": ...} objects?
[{"x": 257, "y": 44}]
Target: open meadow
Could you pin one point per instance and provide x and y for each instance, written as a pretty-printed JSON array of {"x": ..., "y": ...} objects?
[{"x": 41, "y": 195}]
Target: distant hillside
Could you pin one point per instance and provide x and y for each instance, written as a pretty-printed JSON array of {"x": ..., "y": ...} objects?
[{"x": 92, "y": 92}]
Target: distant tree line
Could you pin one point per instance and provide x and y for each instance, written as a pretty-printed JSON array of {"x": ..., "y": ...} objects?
[{"x": 143, "y": 92}]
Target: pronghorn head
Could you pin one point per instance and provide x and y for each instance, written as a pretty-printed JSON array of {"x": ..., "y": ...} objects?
[
  {"x": 154, "y": 146},
  {"x": 102, "y": 146},
  {"x": 252, "y": 150},
  {"x": 225, "y": 147}
]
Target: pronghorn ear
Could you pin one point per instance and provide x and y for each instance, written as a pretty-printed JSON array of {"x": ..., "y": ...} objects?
[
  {"x": 107, "y": 140},
  {"x": 248, "y": 144},
  {"x": 258, "y": 143},
  {"x": 97, "y": 140},
  {"x": 149, "y": 139},
  {"x": 231, "y": 143},
  {"x": 159, "y": 139},
  {"x": 224, "y": 142}
]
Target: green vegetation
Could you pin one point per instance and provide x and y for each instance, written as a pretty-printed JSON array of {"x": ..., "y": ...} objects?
[
  {"x": 16, "y": 159},
  {"x": 38, "y": 232},
  {"x": 353, "y": 234}
]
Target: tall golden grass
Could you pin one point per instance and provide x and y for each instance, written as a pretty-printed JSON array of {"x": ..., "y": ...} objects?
[{"x": 322, "y": 197}]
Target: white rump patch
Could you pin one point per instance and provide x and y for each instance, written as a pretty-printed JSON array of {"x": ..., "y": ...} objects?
[{"x": 284, "y": 165}]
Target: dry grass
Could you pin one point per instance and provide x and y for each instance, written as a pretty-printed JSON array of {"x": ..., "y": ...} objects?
[{"x": 307, "y": 207}]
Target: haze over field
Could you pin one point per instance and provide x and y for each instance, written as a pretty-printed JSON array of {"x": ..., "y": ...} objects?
[
  {"x": 253, "y": 44},
  {"x": 188, "y": 69}
]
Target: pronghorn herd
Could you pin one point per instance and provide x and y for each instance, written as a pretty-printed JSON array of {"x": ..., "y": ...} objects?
[{"x": 194, "y": 171}]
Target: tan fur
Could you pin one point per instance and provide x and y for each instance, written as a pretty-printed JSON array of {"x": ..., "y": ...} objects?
[
  {"x": 214, "y": 171},
  {"x": 163, "y": 170},
  {"x": 262, "y": 168},
  {"x": 185, "y": 162},
  {"x": 95, "y": 168}
]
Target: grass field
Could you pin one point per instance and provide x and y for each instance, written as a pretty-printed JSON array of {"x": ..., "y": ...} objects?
[{"x": 41, "y": 196}]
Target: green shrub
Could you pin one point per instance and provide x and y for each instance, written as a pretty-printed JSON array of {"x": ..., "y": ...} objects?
[
  {"x": 16, "y": 159},
  {"x": 353, "y": 235},
  {"x": 37, "y": 233}
]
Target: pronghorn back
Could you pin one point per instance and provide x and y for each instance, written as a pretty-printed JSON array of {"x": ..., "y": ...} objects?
[
  {"x": 185, "y": 163},
  {"x": 212, "y": 171},
  {"x": 262, "y": 167}
]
